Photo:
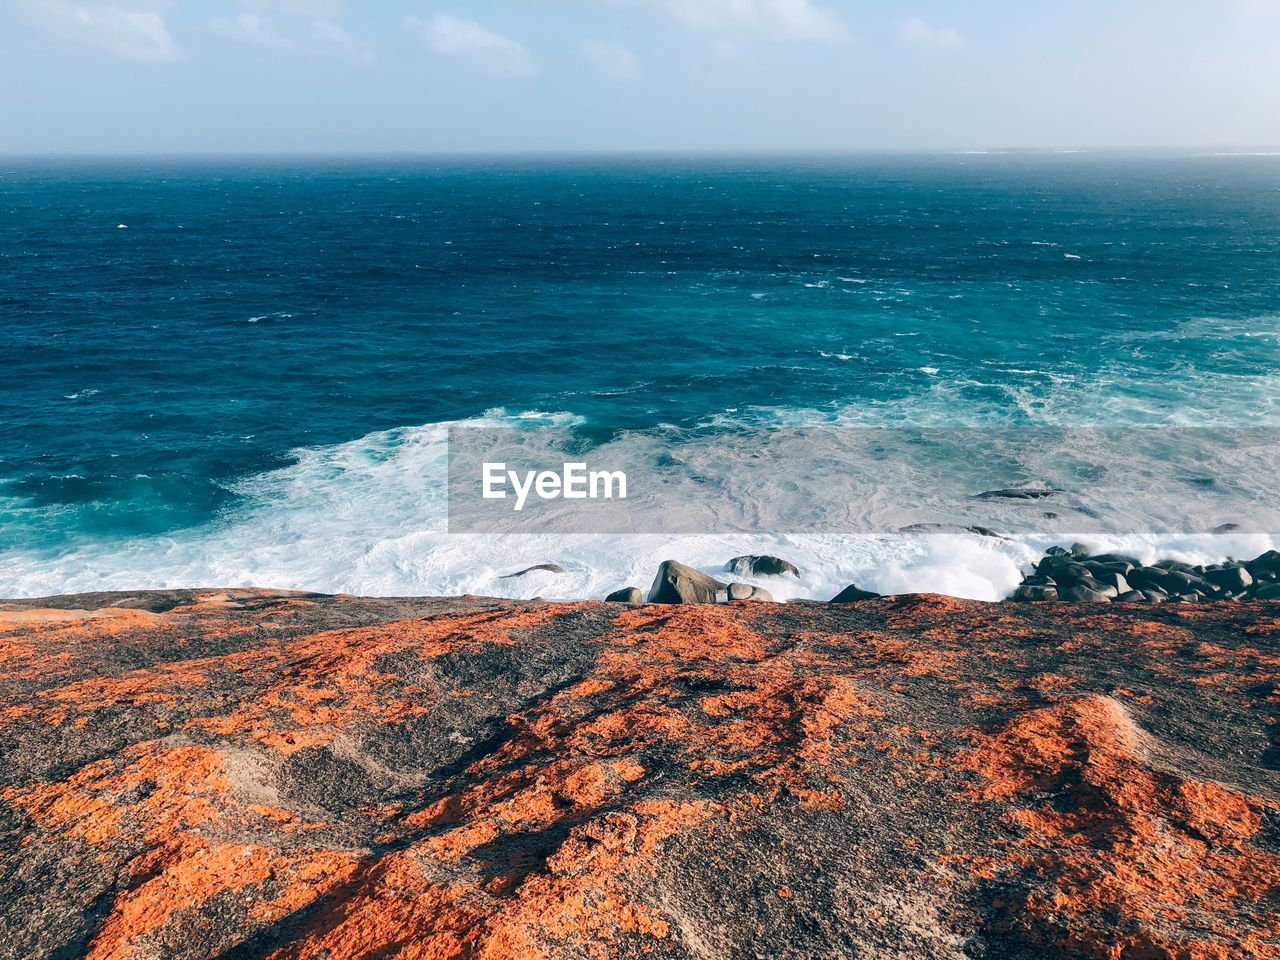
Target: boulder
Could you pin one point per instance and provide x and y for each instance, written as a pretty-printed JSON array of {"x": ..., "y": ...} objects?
[
  {"x": 677, "y": 583},
  {"x": 1098, "y": 567},
  {"x": 1133, "y": 596},
  {"x": 761, "y": 567},
  {"x": 852, "y": 594},
  {"x": 1065, "y": 573},
  {"x": 1270, "y": 591},
  {"x": 1034, "y": 593},
  {"x": 1083, "y": 594},
  {"x": 1269, "y": 562},
  {"x": 1170, "y": 581},
  {"x": 1232, "y": 579},
  {"x": 1114, "y": 580},
  {"x": 629, "y": 595},
  {"x": 548, "y": 567},
  {"x": 740, "y": 591},
  {"x": 1128, "y": 561}
]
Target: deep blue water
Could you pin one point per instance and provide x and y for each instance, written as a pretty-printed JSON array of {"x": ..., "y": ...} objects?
[{"x": 173, "y": 329}]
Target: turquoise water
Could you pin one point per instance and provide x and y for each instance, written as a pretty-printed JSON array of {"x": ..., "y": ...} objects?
[{"x": 223, "y": 369}]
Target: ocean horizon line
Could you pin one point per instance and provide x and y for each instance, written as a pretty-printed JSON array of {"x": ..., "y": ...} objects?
[{"x": 695, "y": 153}]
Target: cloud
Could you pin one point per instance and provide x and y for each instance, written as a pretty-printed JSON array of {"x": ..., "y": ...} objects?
[
  {"x": 313, "y": 9},
  {"x": 467, "y": 41},
  {"x": 328, "y": 34},
  {"x": 783, "y": 19},
  {"x": 298, "y": 26},
  {"x": 616, "y": 63},
  {"x": 249, "y": 28},
  {"x": 129, "y": 31},
  {"x": 923, "y": 36}
]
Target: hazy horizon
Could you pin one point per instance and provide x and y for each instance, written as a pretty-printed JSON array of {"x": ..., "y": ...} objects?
[
  {"x": 1188, "y": 151},
  {"x": 728, "y": 77}
]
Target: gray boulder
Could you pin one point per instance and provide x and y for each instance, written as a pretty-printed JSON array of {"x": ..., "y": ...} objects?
[
  {"x": 743, "y": 591},
  {"x": 761, "y": 567},
  {"x": 1035, "y": 593},
  {"x": 677, "y": 583},
  {"x": 852, "y": 594},
  {"x": 1232, "y": 579},
  {"x": 1128, "y": 561},
  {"x": 1270, "y": 591},
  {"x": 1114, "y": 580},
  {"x": 629, "y": 595},
  {"x": 1168, "y": 580},
  {"x": 1268, "y": 563},
  {"x": 1083, "y": 594},
  {"x": 1099, "y": 567}
]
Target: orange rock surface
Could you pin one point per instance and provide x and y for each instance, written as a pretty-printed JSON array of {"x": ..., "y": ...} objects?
[{"x": 245, "y": 774}]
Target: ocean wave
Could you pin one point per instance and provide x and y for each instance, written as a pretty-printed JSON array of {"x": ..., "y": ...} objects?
[{"x": 369, "y": 516}]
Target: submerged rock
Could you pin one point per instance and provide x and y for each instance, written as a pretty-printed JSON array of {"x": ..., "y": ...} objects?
[
  {"x": 677, "y": 583},
  {"x": 547, "y": 567},
  {"x": 952, "y": 528},
  {"x": 1018, "y": 493}
]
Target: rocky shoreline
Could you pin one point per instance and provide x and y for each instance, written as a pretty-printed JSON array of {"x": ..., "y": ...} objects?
[
  {"x": 1064, "y": 574},
  {"x": 259, "y": 775},
  {"x": 1073, "y": 575}
]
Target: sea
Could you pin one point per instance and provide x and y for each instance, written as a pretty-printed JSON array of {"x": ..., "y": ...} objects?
[{"x": 231, "y": 372}]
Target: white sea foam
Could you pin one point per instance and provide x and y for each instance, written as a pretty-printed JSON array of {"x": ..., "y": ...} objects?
[{"x": 369, "y": 517}]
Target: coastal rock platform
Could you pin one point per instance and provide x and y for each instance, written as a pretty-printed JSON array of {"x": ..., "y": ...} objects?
[{"x": 235, "y": 774}]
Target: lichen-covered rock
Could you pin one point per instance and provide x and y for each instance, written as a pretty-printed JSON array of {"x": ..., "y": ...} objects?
[{"x": 196, "y": 774}]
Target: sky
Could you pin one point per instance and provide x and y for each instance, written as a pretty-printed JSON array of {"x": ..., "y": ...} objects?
[{"x": 386, "y": 76}]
